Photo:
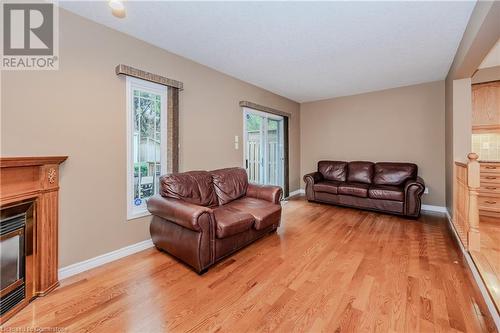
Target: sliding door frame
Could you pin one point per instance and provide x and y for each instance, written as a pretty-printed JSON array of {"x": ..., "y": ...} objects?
[{"x": 284, "y": 137}]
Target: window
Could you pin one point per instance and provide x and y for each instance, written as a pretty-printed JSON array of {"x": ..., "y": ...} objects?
[
  {"x": 146, "y": 142},
  {"x": 264, "y": 149}
]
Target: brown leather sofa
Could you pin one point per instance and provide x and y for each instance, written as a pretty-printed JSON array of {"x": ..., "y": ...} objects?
[
  {"x": 385, "y": 187},
  {"x": 201, "y": 217}
]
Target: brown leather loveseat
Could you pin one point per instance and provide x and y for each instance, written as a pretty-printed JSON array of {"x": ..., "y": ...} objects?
[
  {"x": 201, "y": 217},
  {"x": 386, "y": 187}
]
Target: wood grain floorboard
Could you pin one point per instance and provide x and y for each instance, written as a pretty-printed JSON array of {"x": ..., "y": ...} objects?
[
  {"x": 487, "y": 260},
  {"x": 327, "y": 269}
]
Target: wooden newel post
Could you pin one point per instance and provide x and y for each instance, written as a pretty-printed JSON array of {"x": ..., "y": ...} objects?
[{"x": 473, "y": 176}]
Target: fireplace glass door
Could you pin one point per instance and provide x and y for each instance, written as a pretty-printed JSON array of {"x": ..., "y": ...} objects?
[
  {"x": 15, "y": 229},
  {"x": 11, "y": 255}
]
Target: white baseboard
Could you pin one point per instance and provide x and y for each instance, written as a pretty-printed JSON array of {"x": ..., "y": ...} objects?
[
  {"x": 85, "y": 265},
  {"x": 431, "y": 208},
  {"x": 475, "y": 273},
  {"x": 297, "y": 192}
]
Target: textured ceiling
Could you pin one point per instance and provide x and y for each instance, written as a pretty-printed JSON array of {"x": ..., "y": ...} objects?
[{"x": 302, "y": 50}]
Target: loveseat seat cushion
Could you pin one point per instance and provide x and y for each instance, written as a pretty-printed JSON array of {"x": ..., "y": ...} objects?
[
  {"x": 230, "y": 184},
  {"x": 333, "y": 170},
  {"x": 327, "y": 186},
  {"x": 194, "y": 187},
  {"x": 388, "y": 173},
  {"x": 264, "y": 212},
  {"x": 386, "y": 192},
  {"x": 354, "y": 189},
  {"x": 230, "y": 221},
  {"x": 360, "y": 172}
]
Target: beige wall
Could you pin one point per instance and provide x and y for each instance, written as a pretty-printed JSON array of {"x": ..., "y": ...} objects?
[
  {"x": 79, "y": 111},
  {"x": 402, "y": 124},
  {"x": 492, "y": 59},
  {"x": 449, "y": 144},
  {"x": 462, "y": 119}
]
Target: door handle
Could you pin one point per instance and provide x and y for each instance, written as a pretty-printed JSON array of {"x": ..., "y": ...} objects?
[{"x": 246, "y": 163}]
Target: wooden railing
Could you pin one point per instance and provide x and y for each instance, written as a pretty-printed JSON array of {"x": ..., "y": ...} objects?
[{"x": 465, "y": 207}]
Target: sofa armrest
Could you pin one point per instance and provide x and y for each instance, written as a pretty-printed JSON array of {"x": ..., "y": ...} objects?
[
  {"x": 265, "y": 192},
  {"x": 413, "y": 188},
  {"x": 310, "y": 179},
  {"x": 313, "y": 177},
  {"x": 180, "y": 212},
  {"x": 418, "y": 182}
]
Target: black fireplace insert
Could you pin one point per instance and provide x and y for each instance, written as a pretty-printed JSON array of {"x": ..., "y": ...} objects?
[{"x": 14, "y": 233}]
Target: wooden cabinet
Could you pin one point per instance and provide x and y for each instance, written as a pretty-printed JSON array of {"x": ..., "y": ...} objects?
[
  {"x": 489, "y": 191},
  {"x": 486, "y": 107}
]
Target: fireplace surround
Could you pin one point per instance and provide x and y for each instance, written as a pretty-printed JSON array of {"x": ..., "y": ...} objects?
[
  {"x": 29, "y": 195},
  {"x": 16, "y": 254}
]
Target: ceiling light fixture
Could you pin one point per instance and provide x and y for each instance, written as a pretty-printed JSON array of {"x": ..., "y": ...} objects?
[{"x": 117, "y": 8}]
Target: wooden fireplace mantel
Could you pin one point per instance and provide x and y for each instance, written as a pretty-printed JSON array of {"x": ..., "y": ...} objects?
[
  {"x": 25, "y": 177},
  {"x": 35, "y": 179},
  {"x": 7, "y": 162}
]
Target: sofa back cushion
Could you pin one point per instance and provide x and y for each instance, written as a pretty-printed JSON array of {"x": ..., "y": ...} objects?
[
  {"x": 194, "y": 186},
  {"x": 229, "y": 184},
  {"x": 360, "y": 172},
  {"x": 333, "y": 170},
  {"x": 387, "y": 173}
]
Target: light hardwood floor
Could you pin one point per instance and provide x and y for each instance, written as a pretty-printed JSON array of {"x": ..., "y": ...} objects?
[
  {"x": 327, "y": 269},
  {"x": 487, "y": 259}
]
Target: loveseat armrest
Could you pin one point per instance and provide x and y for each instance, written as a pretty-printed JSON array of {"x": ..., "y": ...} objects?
[
  {"x": 413, "y": 189},
  {"x": 310, "y": 179},
  {"x": 180, "y": 212},
  {"x": 313, "y": 177},
  {"x": 265, "y": 192}
]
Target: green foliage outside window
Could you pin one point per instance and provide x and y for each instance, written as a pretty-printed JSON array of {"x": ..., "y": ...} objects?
[
  {"x": 144, "y": 169},
  {"x": 254, "y": 122}
]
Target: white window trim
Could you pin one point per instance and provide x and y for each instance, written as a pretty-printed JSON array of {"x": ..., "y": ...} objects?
[{"x": 134, "y": 212}]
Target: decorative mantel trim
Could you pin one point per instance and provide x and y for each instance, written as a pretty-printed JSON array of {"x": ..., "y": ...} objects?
[
  {"x": 131, "y": 71},
  {"x": 9, "y": 162},
  {"x": 247, "y": 104}
]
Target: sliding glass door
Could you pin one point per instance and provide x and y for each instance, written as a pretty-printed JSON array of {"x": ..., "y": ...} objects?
[{"x": 264, "y": 147}]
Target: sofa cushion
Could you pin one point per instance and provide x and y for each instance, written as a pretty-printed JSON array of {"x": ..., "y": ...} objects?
[
  {"x": 333, "y": 170},
  {"x": 264, "y": 212},
  {"x": 327, "y": 186},
  {"x": 194, "y": 186},
  {"x": 354, "y": 189},
  {"x": 360, "y": 172},
  {"x": 230, "y": 184},
  {"x": 388, "y": 173},
  {"x": 230, "y": 221},
  {"x": 386, "y": 192}
]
